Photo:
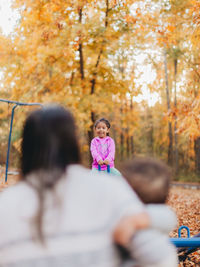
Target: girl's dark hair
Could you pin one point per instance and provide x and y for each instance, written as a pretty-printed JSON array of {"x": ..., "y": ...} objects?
[
  {"x": 107, "y": 123},
  {"x": 49, "y": 145}
]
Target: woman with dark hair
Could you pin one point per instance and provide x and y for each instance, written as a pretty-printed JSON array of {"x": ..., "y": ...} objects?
[{"x": 60, "y": 213}]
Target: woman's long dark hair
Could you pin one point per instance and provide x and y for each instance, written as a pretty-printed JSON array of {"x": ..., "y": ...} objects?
[{"x": 49, "y": 145}]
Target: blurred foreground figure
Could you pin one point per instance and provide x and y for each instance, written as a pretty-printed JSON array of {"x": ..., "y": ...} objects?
[
  {"x": 150, "y": 179},
  {"x": 60, "y": 213}
]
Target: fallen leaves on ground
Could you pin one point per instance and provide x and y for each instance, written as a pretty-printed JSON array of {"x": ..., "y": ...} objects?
[{"x": 186, "y": 204}]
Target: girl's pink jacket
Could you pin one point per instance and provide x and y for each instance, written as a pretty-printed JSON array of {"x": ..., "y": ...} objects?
[{"x": 101, "y": 149}]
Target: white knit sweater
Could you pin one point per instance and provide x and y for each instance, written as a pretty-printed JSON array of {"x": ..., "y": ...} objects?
[{"x": 80, "y": 216}]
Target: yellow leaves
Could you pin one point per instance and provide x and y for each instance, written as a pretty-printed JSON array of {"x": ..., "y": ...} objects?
[
  {"x": 130, "y": 19},
  {"x": 45, "y": 63},
  {"x": 171, "y": 28},
  {"x": 189, "y": 118},
  {"x": 85, "y": 148},
  {"x": 196, "y": 37},
  {"x": 6, "y": 50}
]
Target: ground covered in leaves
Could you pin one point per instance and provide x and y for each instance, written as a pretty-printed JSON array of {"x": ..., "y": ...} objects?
[{"x": 185, "y": 202}]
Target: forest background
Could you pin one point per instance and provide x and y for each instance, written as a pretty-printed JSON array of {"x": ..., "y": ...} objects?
[{"x": 86, "y": 56}]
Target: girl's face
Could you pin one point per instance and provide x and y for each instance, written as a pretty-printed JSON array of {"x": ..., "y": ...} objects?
[{"x": 101, "y": 130}]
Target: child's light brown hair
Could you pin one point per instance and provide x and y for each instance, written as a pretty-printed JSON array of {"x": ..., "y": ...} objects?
[{"x": 149, "y": 178}]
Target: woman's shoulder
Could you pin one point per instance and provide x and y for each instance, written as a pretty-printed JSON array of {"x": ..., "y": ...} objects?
[
  {"x": 20, "y": 189},
  {"x": 18, "y": 197}
]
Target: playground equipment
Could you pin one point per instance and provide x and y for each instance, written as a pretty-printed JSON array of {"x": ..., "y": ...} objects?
[
  {"x": 108, "y": 168},
  {"x": 185, "y": 242},
  {"x": 186, "y": 246},
  {"x": 16, "y": 103}
]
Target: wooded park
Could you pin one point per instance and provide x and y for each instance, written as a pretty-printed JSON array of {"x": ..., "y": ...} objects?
[
  {"x": 92, "y": 56},
  {"x": 133, "y": 62}
]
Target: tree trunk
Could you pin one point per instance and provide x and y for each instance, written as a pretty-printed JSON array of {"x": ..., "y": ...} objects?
[
  {"x": 131, "y": 137},
  {"x": 91, "y": 132},
  {"x": 81, "y": 69},
  {"x": 176, "y": 154},
  {"x": 132, "y": 146},
  {"x": 80, "y": 48},
  {"x": 170, "y": 136},
  {"x": 122, "y": 146},
  {"x": 197, "y": 155},
  {"x": 122, "y": 136},
  {"x": 150, "y": 132},
  {"x": 127, "y": 145},
  {"x": 93, "y": 81}
]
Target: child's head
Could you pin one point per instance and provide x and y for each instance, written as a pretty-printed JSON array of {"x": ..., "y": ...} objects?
[
  {"x": 102, "y": 127},
  {"x": 150, "y": 179}
]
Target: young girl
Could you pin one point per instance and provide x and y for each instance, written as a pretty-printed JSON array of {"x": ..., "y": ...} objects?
[{"x": 103, "y": 147}]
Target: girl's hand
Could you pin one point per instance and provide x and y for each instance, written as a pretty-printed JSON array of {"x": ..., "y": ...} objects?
[
  {"x": 106, "y": 161},
  {"x": 100, "y": 162}
]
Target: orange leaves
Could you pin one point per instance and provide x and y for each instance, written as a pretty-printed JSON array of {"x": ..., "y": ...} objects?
[
  {"x": 59, "y": 25},
  {"x": 171, "y": 114},
  {"x": 6, "y": 49},
  {"x": 130, "y": 19},
  {"x": 61, "y": 46},
  {"x": 171, "y": 28},
  {"x": 76, "y": 44},
  {"x": 186, "y": 204},
  {"x": 113, "y": 3},
  {"x": 189, "y": 118},
  {"x": 167, "y": 36},
  {"x": 46, "y": 35}
]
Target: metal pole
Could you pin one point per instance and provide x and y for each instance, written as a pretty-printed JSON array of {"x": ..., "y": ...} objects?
[
  {"x": 11, "y": 123},
  {"x": 9, "y": 141},
  {"x": 20, "y": 103}
]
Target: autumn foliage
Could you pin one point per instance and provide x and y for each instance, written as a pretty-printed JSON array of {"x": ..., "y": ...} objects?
[{"x": 84, "y": 55}]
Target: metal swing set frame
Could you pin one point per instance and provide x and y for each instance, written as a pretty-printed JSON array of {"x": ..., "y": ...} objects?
[{"x": 16, "y": 104}]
